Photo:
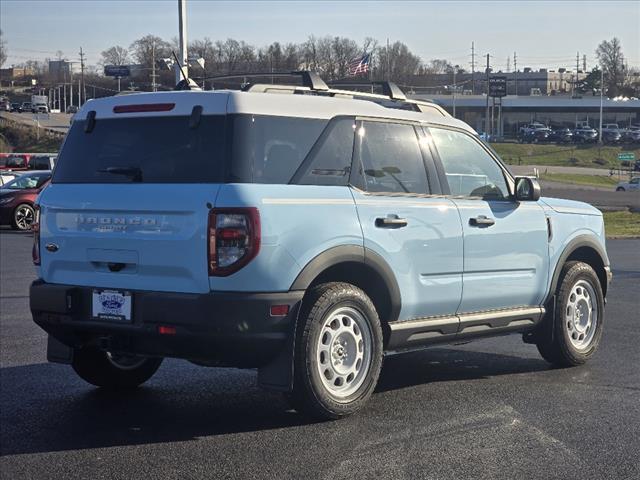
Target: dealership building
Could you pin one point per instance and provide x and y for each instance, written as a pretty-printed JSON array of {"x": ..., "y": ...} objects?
[{"x": 555, "y": 111}]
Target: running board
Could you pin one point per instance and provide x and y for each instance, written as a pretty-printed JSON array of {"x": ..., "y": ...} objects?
[{"x": 426, "y": 331}]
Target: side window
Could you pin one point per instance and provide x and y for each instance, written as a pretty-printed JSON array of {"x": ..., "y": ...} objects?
[
  {"x": 391, "y": 158},
  {"x": 269, "y": 149},
  {"x": 329, "y": 162},
  {"x": 470, "y": 170}
]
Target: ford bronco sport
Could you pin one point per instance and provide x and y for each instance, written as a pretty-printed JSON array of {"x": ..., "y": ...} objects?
[{"x": 306, "y": 234}]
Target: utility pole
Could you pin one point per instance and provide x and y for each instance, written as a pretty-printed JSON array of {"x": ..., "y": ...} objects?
[
  {"x": 388, "y": 63},
  {"x": 182, "y": 28},
  {"x": 82, "y": 95},
  {"x": 515, "y": 73},
  {"x": 601, "y": 103},
  {"x": 486, "y": 122},
  {"x": 508, "y": 64},
  {"x": 473, "y": 69},
  {"x": 455, "y": 70},
  {"x": 584, "y": 63},
  {"x": 153, "y": 68}
]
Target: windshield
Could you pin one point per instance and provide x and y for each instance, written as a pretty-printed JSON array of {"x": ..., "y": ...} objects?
[{"x": 24, "y": 182}]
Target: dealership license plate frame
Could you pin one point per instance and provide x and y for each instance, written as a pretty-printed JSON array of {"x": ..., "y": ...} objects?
[{"x": 117, "y": 314}]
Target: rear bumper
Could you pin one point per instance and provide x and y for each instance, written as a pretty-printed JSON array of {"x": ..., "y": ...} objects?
[{"x": 226, "y": 329}]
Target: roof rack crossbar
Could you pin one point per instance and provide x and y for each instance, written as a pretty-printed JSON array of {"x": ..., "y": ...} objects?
[{"x": 392, "y": 90}]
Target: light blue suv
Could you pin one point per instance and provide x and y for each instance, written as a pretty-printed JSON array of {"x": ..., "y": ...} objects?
[{"x": 307, "y": 233}]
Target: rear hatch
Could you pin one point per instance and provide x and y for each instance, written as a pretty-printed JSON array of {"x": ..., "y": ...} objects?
[{"x": 130, "y": 196}]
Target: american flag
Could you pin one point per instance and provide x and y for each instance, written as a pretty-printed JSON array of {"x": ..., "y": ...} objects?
[{"x": 359, "y": 64}]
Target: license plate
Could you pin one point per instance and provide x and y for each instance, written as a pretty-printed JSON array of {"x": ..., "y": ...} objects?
[{"x": 111, "y": 305}]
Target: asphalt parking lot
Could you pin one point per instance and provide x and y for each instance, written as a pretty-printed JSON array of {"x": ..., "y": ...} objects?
[{"x": 489, "y": 409}]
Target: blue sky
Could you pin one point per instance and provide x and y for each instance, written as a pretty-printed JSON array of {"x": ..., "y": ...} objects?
[{"x": 543, "y": 33}]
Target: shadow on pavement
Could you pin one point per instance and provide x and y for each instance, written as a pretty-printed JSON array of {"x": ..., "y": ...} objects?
[{"x": 45, "y": 407}]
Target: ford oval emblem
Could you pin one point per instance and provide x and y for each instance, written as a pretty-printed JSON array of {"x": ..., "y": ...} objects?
[{"x": 51, "y": 247}]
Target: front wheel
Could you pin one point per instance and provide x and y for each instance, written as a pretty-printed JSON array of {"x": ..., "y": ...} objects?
[
  {"x": 338, "y": 353},
  {"x": 23, "y": 217},
  {"x": 111, "y": 370},
  {"x": 579, "y": 317},
  {"x": 620, "y": 189}
]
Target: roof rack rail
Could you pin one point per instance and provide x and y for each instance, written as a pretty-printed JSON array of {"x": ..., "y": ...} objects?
[{"x": 313, "y": 84}]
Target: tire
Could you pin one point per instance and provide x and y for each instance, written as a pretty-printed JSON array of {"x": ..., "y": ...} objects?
[
  {"x": 620, "y": 189},
  {"x": 23, "y": 217},
  {"x": 103, "y": 369},
  {"x": 575, "y": 338},
  {"x": 338, "y": 354}
]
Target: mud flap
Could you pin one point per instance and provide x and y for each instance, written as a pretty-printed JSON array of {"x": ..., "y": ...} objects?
[
  {"x": 58, "y": 352},
  {"x": 544, "y": 332},
  {"x": 278, "y": 375}
]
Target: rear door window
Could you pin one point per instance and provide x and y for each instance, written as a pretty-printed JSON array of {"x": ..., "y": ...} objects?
[
  {"x": 391, "y": 159},
  {"x": 329, "y": 162},
  {"x": 269, "y": 149}
]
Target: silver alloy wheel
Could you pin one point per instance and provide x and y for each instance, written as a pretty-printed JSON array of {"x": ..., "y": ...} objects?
[
  {"x": 581, "y": 315},
  {"x": 23, "y": 216},
  {"x": 125, "y": 362},
  {"x": 344, "y": 351}
]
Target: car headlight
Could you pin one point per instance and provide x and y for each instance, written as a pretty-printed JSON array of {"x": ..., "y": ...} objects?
[{"x": 6, "y": 199}]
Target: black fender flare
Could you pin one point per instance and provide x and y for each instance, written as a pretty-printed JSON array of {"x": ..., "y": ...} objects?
[
  {"x": 578, "y": 242},
  {"x": 354, "y": 254}
]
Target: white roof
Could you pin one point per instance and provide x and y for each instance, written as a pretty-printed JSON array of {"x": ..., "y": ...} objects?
[{"x": 232, "y": 101}]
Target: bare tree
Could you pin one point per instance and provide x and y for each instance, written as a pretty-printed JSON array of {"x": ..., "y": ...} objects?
[
  {"x": 3, "y": 49},
  {"x": 144, "y": 48},
  {"x": 611, "y": 59},
  {"x": 116, "y": 55},
  {"x": 397, "y": 63},
  {"x": 438, "y": 65}
]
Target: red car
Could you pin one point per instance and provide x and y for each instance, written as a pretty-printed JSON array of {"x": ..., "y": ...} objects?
[{"x": 17, "y": 198}]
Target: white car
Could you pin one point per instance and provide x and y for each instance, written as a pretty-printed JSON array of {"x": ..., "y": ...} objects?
[{"x": 631, "y": 185}]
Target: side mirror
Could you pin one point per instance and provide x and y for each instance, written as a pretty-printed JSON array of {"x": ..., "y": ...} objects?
[{"x": 527, "y": 189}]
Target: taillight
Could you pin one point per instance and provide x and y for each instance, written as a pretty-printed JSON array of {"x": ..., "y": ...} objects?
[
  {"x": 234, "y": 239},
  {"x": 35, "y": 227}
]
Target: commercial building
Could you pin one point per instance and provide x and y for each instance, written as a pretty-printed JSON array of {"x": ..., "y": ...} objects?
[{"x": 555, "y": 111}]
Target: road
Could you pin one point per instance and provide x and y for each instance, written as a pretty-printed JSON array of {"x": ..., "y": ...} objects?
[
  {"x": 58, "y": 122},
  {"x": 492, "y": 409},
  {"x": 598, "y": 197}
]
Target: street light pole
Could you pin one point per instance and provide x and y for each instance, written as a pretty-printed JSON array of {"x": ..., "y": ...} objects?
[
  {"x": 182, "y": 28},
  {"x": 601, "y": 103},
  {"x": 455, "y": 69}
]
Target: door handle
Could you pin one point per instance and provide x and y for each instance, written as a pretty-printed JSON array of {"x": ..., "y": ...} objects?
[
  {"x": 391, "y": 221},
  {"x": 481, "y": 221}
]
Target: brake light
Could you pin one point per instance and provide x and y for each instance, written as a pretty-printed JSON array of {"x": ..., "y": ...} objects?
[
  {"x": 145, "y": 107},
  {"x": 234, "y": 239},
  {"x": 35, "y": 227}
]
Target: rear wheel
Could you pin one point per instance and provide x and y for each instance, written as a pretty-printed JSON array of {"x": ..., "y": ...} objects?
[
  {"x": 111, "y": 370},
  {"x": 579, "y": 317},
  {"x": 338, "y": 351},
  {"x": 620, "y": 189},
  {"x": 23, "y": 217}
]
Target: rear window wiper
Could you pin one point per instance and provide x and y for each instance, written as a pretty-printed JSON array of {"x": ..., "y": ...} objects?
[{"x": 134, "y": 173}]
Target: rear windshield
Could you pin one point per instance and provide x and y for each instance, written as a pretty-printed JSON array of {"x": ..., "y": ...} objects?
[
  {"x": 233, "y": 148},
  {"x": 160, "y": 149}
]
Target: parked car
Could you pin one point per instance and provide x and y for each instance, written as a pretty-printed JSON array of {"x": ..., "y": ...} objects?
[
  {"x": 561, "y": 135},
  {"x": 631, "y": 185},
  {"x": 14, "y": 162},
  {"x": 25, "y": 107},
  {"x": 42, "y": 162},
  {"x": 310, "y": 235},
  {"x": 631, "y": 134},
  {"x": 72, "y": 109},
  {"x": 5, "y": 106},
  {"x": 15, "y": 107},
  {"x": 585, "y": 135},
  {"x": 611, "y": 136},
  {"x": 17, "y": 198},
  {"x": 539, "y": 135},
  {"x": 525, "y": 129}
]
